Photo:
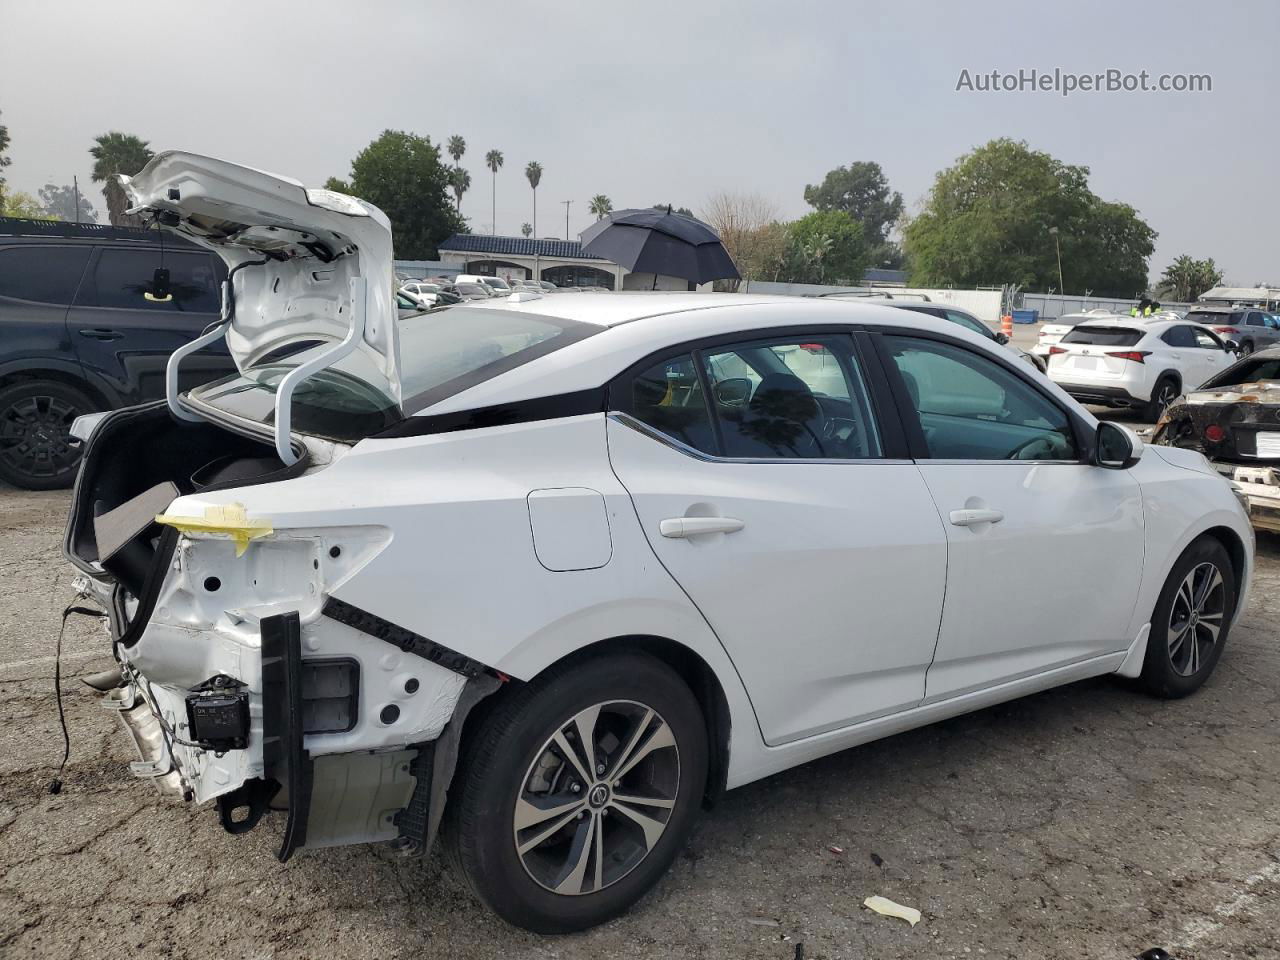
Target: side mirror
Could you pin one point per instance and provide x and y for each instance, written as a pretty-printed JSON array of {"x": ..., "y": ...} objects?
[
  {"x": 1233, "y": 346},
  {"x": 1002, "y": 338},
  {"x": 733, "y": 392},
  {"x": 1116, "y": 447}
]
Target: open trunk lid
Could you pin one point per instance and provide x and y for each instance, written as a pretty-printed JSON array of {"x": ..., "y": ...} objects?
[{"x": 292, "y": 255}]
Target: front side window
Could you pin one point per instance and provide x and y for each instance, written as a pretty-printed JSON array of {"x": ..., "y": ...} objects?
[
  {"x": 972, "y": 408},
  {"x": 1206, "y": 340},
  {"x": 970, "y": 323},
  {"x": 122, "y": 278},
  {"x": 42, "y": 274}
]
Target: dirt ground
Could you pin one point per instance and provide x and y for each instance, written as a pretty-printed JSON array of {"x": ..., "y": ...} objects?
[{"x": 1091, "y": 821}]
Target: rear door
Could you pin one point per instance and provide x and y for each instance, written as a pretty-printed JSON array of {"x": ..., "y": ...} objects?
[
  {"x": 126, "y": 337},
  {"x": 788, "y": 512},
  {"x": 1045, "y": 550},
  {"x": 37, "y": 285}
]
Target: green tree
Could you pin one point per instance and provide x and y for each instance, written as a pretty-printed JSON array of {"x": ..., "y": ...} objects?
[
  {"x": 460, "y": 181},
  {"x": 1186, "y": 279},
  {"x": 526, "y": 228},
  {"x": 18, "y": 204},
  {"x": 826, "y": 247},
  {"x": 862, "y": 191},
  {"x": 337, "y": 185},
  {"x": 5, "y": 160},
  {"x": 60, "y": 203},
  {"x": 533, "y": 173},
  {"x": 118, "y": 154},
  {"x": 987, "y": 218},
  {"x": 456, "y": 148},
  {"x": 493, "y": 160},
  {"x": 683, "y": 211},
  {"x": 600, "y": 205},
  {"x": 401, "y": 174}
]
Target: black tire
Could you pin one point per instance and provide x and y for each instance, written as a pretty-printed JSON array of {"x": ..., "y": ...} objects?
[
  {"x": 1165, "y": 668},
  {"x": 1246, "y": 348},
  {"x": 504, "y": 758},
  {"x": 36, "y": 452},
  {"x": 1164, "y": 393}
]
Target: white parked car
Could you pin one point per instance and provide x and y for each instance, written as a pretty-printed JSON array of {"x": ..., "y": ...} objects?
[
  {"x": 1053, "y": 330},
  {"x": 557, "y": 573},
  {"x": 1133, "y": 362}
]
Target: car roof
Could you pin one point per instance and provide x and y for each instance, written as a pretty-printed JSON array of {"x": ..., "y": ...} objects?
[{"x": 639, "y": 324}]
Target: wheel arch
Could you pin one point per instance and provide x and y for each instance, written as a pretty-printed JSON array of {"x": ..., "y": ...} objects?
[
  {"x": 71, "y": 377},
  {"x": 1235, "y": 548},
  {"x": 701, "y": 678}
]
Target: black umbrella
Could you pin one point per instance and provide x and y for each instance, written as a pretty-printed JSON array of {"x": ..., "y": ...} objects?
[{"x": 660, "y": 242}]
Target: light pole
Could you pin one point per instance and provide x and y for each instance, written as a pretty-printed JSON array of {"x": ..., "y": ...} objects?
[
  {"x": 566, "y": 217},
  {"x": 1061, "y": 285}
]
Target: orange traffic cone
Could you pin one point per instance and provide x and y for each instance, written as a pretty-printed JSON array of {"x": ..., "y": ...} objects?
[{"x": 1006, "y": 325}]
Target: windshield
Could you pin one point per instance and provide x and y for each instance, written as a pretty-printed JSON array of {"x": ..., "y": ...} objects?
[
  {"x": 1247, "y": 371},
  {"x": 442, "y": 352},
  {"x": 495, "y": 282}
]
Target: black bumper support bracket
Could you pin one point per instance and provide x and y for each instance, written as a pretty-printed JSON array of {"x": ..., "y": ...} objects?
[
  {"x": 284, "y": 759},
  {"x": 406, "y": 640}
]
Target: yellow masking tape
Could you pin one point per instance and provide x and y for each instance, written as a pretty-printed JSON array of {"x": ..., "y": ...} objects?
[{"x": 229, "y": 519}]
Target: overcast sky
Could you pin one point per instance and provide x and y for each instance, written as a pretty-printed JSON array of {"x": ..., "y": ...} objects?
[{"x": 666, "y": 101}]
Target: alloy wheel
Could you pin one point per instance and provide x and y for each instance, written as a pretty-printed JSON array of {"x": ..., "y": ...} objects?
[
  {"x": 1166, "y": 395},
  {"x": 1195, "y": 620},
  {"x": 597, "y": 797},
  {"x": 35, "y": 436}
]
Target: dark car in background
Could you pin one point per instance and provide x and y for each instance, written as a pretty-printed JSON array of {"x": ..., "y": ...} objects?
[
  {"x": 1233, "y": 418},
  {"x": 82, "y": 329},
  {"x": 1251, "y": 328}
]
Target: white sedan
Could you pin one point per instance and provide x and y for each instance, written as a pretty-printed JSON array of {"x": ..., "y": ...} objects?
[{"x": 551, "y": 575}]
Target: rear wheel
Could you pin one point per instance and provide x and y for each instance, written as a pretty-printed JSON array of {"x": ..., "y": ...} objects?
[
  {"x": 1165, "y": 392},
  {"x": 35, "y": 433},
  {"x": 578, "y": 792},
  {"x": 1192, "y": 618},
  {"x": 1246, "y": 348}
]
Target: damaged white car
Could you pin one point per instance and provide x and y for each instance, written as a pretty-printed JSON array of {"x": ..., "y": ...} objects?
[{"x": 551, "y": 574}]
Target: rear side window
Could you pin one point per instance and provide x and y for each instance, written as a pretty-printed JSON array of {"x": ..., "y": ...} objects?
[
  {"x": 668, "y": 397},
  {"x": 121, "y": 278},
  {"x": 1103, "y": 336},
  {"x": 43, "y": 274},
  {"x": 1255, "y": 320},
  {"x": 970, "y": 323},
  {"x": 1179, "y": 337}
]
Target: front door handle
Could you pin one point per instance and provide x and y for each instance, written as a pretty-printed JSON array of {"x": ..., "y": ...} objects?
[
  {"x": 101, "y": 333},
  {"x": 680, "y": 527},
  {"x": 967, "y": 518}
]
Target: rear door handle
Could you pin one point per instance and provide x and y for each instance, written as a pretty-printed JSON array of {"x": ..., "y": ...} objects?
[
  {"x": 680, "y": 527},
  {"x": 101, "y": 333},
  {"x": 967, "y": 518}
]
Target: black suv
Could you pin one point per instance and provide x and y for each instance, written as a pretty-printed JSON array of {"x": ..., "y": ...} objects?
[{"x": 82, "y": 330}]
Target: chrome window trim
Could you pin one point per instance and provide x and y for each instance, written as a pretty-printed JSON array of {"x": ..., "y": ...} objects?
[{"x": 627, "y": 420}]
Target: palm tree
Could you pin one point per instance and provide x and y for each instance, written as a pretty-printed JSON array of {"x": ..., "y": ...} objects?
[
  {"x": 493, "y": 160},
  {"x": 526, "y": 229},
  {"x": 456, "y": 148},
  {"x": 460, "y": 180},
  {"x": 533, "y": 173},
  {"x": 118, "y": 154},
  {"x": 601, "y": 206}
]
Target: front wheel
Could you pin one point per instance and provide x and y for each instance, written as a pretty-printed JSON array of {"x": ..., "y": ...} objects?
[
  {"x": 1192, "y": 618},
  {"x": 578, "y": 791}
]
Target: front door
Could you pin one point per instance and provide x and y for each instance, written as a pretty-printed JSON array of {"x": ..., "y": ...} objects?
[
  {"x": 1046, "y": 551},
  {"x": 759, "y": 475}
]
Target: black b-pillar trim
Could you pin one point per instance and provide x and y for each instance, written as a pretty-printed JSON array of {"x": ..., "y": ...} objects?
[{"x": 283, "y": 757}]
